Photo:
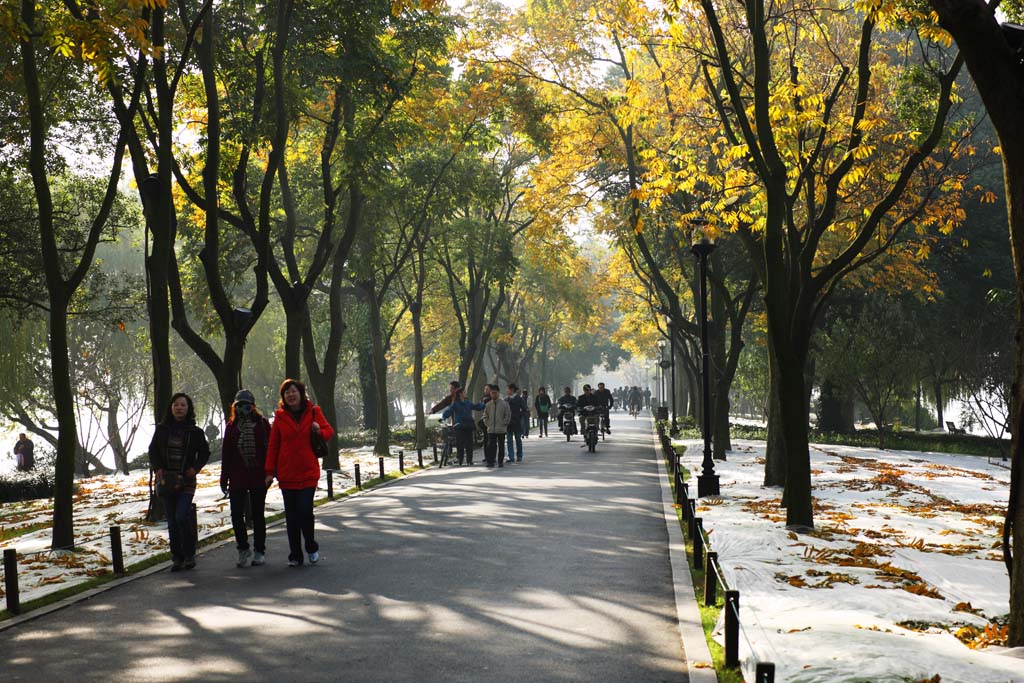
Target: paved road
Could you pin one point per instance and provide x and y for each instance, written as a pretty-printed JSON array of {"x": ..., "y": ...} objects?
[{"x": 551, "y": 570}]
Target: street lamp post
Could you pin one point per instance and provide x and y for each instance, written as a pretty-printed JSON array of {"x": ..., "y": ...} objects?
[
  {"x": 672, "y": 383},
  {"x": 707, "y": 482},
  {"x": 661, "y": 380}
]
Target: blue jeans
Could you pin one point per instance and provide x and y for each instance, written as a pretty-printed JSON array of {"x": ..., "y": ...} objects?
[
  {"x": 514, "y": 436},
  {"x": 180, "y": 527},
  {"x": 299, "y": 521}
]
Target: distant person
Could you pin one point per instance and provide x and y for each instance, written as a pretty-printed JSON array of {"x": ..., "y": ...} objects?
[
  {"x": 177, "y": 453},
  {"x": 517, "y": 415},
  {"x": 461, "y": 411},
  {"x": 25, "y": 460},
  {"x": 528, "y": 414},
  {"x": 291, "y": 460},
  {"x": 496, "y": 419},
  {"x": 453, "y": 386},
  {"x": 606, "y": 402},
  {"x": 243, "y": 475},
  {"x": 647, "y": 398},
  {"x": 566, "y": 402},
  {"x": 542, "y": 404}
]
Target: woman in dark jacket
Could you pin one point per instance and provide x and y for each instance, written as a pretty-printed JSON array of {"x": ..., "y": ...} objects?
[
  {"x": 243, "y": 473},
  {"x": 542, "y": 404},
  {"x": 291, "y": 460},
  {"x": 177, "y": 453}
]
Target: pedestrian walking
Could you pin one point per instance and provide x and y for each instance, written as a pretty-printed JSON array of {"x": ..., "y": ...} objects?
[
  {"x": 177, "y": 453},
  {"x": 518, "y": 415},
  {"x": 542, "y": 404},
  {"x": 24, "y": 449},
  {"x": 527, "y": 413},
  {"x": 496, "y": 419},
  {"x": 292, "y": 461},
  {"x": 461, "y": 411},
  {"x": 243, "y": 475}
]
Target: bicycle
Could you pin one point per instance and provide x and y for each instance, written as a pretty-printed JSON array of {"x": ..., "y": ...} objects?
[{"x": 449, "y": 450}]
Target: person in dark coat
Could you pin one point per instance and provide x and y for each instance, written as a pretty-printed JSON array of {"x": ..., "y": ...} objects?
[
  {"x": 542, "y": 404},
  {"x": 177, "y": 453},
  {"x": 461, "y": 412},
  {"x": 243, "y": 474},
  {"x": 23, "y": 452},
  {"x": 514, "y": 435}
]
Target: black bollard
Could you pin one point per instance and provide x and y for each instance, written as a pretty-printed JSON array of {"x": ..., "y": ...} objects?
[
  {"x": 401, "y": 461},
  {"x": 330, "y": 485},
  {"x": 419, "y": 457},
  {"x": 116, "y": 553},
  {"x": 680, "y": 495},
  {"x": 765, "y": 673},
  {"x": 698, "y": 543},
  {"x": 683, "y": 499},
  {"x": 11, "y": 581},
  {"x": 359, "y": 479},
  {"x": 710, "y": 579},
  {"x": 691, "y": 515},
  {"x": 381, "y": 463},
  {"x": 732, "y": 628}
]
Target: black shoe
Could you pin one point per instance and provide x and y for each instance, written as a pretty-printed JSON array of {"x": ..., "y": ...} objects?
[
  {"x": 190, "y": 563},
  {"x": 177, "y": 566}
]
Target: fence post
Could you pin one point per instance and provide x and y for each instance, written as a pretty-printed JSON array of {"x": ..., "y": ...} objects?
[
  {"x": 765, "y": 673},
  {"x": 11, "y": 581},
  {"x": 684, "y": 491},
  {"x": 710, "y": 578},
  {"x": 698, "y": 543},
  {"x": 732, "y": 628},
  {"x": 690, "y": 528},
  {"x": 330, "y": 485},
  {"x": 680, "y": 494},
  {"x": 116, "y": 553},
  {"x": 380, "y": 462},
  {"x": 401, "y": 461},
  {"x": 419, "y": 456},
  {"x": 359, "y": 479}
]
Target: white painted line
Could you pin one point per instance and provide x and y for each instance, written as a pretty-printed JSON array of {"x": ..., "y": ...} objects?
[{"x": 698, "y": 657}]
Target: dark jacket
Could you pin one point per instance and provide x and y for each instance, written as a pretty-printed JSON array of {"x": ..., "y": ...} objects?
[
  {"x": 517, "y": 404},
  {"x": 566, "y": 402},
  {"x": 197, "y": 450},
  {"x": 542, "y": 403},
  {"x": 234, "y": 474},
  {"x": 462, "y": 412},
  {"x": 589, "y": 400},
  {"x": 604, "y": 397}
]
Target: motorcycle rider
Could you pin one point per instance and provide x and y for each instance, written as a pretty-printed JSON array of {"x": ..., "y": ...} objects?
[
  {"x": 565, "y": 402},
  {"x": 606, "y": 402}
]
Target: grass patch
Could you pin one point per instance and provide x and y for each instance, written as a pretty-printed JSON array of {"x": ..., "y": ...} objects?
[
  {"x": 965, "y": 444},
  {"x": 7, "y": 534},
  {"x": 709, "y": 614},
  {"x": 213, "y": 539}
]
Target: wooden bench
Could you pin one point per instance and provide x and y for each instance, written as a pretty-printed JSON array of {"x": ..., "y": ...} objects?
[{"x": 953, "y": 429}]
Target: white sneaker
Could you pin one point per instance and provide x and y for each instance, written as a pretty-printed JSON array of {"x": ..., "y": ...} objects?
[
  {"x": 294, "y": 563},
  {"x": 314, "y": 557},
  {"x": 244, "y": 558},
  {"x": 258, "y": 559}
]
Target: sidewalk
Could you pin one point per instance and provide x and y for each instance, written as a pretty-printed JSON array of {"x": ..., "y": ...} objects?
[{"x": 556, "y": 569}]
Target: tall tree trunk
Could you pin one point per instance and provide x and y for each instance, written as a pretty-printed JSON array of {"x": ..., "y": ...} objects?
[
  {"x": 114, "y": 435},
  {"x": 366, "y": 385},
  {"x": 940, "y": 402},
  {"x": 417, "y": 374},
  {"x": 775, "y": 450},
  {"x": 379, "y": 365}
]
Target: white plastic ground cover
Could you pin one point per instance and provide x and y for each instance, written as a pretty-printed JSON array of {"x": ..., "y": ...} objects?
[
  {"x": 906, "y": 552},
  {"x": 119, "y": 499}
]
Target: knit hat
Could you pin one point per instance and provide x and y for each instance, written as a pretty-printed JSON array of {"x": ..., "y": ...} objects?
[{"x": 245, "y": 396}]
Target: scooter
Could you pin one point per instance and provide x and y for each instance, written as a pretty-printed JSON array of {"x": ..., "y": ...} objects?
[
  {"x": 569, "y": 423},
  {"x": 590, "y": 420}
]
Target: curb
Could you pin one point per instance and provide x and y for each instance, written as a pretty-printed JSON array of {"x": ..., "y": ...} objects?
[
  {"x": 148, "y": 571},
  {"x": 699, "y": 667}
]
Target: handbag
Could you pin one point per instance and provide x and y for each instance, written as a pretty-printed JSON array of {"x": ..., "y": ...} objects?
[{"x": 319, "y": 446}]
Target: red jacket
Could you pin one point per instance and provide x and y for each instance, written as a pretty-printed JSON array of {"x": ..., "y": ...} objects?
[{"x": 290, "y": 457}]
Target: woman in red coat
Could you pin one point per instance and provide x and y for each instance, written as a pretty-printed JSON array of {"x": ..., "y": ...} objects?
[{"x": 290, "y": 460}]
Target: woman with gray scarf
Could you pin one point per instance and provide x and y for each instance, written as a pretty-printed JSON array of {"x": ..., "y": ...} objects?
[{"x": 242, "y": 475}]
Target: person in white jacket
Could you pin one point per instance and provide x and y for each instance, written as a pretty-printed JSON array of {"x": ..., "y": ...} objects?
[{"x": 496, "y": 418}]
